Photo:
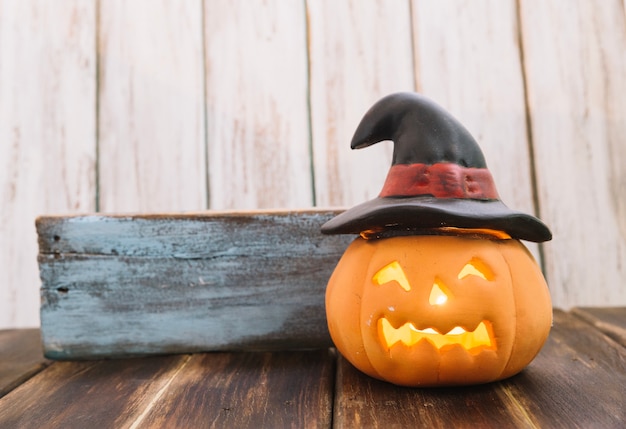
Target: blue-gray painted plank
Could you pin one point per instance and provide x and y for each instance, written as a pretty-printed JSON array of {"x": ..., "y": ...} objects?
[
  {"x": 185, "y": 235},
  {"x": 184, "y": 283}
]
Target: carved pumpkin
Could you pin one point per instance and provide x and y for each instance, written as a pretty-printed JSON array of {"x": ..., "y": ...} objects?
[
  {"x": 437, "y": 290},
  {"x": 438, "y": 310}
]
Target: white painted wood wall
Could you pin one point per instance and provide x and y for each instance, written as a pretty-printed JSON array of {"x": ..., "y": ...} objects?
[{"x": 164, "y": 105}]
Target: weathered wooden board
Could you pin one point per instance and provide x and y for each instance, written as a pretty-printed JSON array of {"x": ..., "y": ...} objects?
[
  {"x": 21, "y": 356},
  {"x": 135, "y": 285},
  {"x": 248, "y": 390},
  {"x": 151, "y": 134},
  {"x": 577, "y": 380},
  {"x": 257, "y": 105},
  {"x": 610, "y": 320},
  {"x": 359, "y": 51},
  {"x": 78, "y": 394},
  {"x": 243, "y": 390},
  {"x": 361, "y": 401},
  {"x": 575, "y": 63},
  {"x": 47, "y": 135}
]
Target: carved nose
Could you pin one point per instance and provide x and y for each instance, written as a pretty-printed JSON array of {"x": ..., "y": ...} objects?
[{"x": 439, "y": 294}]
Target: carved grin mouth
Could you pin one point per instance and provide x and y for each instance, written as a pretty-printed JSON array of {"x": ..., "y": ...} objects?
[{"x": 409, "y": 335}]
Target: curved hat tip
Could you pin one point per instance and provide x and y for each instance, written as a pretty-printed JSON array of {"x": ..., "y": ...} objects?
[{"x": 421, "y": 130}]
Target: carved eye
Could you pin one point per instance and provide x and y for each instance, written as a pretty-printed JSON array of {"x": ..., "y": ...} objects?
[
  {"x": 390, "y": 272},
  {"x": 477, "y": 268}
]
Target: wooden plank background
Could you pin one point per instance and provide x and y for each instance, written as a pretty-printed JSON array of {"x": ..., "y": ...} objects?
[{"x": 152, "y": 106}]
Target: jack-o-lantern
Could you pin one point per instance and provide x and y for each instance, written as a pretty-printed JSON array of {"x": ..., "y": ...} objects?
[
  {"x": 437, "y": 310},
  {"x": 437, "y": 290}
]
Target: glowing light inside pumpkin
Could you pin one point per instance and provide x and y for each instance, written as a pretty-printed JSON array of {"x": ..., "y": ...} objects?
[
  {"x": 478, "y": 268},
  {"x": 437, "y": 295},
  {"x": 392, "y": 272},
  {"x": 409, "y": 335},
  {"x": 476, "y": 231}
]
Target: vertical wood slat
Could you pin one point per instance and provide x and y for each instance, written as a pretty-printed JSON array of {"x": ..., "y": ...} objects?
[
  {"x": 151, "y": 114},
  {"x": 256, "y": 96},
  {"x": 359, "y": 52},
  {"x": 471, "y": 65},
  {"x": 47, "y": 135},
  {"x": 575, "y": 64},
  {"x": 468, "y": 60}
]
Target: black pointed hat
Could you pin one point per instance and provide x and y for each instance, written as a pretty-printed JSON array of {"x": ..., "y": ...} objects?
[{"x": 438, "y": 177}]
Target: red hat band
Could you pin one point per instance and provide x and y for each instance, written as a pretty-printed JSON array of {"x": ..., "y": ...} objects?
[{"x": 442, "y": 180}]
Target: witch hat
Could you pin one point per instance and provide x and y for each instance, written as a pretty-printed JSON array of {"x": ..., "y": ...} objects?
[{"x": 438, "y": 177}]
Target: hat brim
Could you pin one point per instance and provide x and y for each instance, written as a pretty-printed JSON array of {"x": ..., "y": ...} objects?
[{"x": 424, "y": 212}]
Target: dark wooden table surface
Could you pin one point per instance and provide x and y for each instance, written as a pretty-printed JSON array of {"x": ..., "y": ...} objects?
[{"x": 578, "y": 380}]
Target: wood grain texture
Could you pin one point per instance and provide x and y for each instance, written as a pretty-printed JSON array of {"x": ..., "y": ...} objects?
[
  {"x": 21, "y": 356},
  {"x": 288, "y": 389},
  {"x": 575, "y": 64},
  {"x": 249, "y": 390},
  {"x": 577, "y": 380},
  {"x": 256, "y": 97},
  {"x": 181, "y": 283},
  {"x": 361, "y": 401},
  {"x": 151, "y": 106},
  {"x": 359, "y": 51},
  {"x": 47, "y": 129},
  {"x": 610, "y": 320},
  {"x": 468, "y": 60},
  {"x": 112, "y": 394}
]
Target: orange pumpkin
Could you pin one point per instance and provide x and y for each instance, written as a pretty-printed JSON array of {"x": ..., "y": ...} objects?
[{"x": 430, "y": 310}]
